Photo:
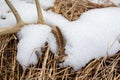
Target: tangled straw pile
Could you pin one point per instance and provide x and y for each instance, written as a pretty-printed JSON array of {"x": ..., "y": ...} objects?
[
  {"x": 47, "y": 68},
  {"x": 72, "y": 9}
]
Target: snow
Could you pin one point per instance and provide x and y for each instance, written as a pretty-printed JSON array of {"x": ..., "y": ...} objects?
[
  {"x": 31, "y": 39},
  {"x": 93, "y": 35},
  {"x": 45, "y": 4},
  {"x": 90, "y": 36},
  {"x": 116, "y": 2}
]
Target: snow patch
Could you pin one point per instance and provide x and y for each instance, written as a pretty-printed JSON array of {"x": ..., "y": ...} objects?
[
  {"x": 32, "y": 38},
  {"x": 44, "y": 3},
  {"x": 116, "y": 2}
]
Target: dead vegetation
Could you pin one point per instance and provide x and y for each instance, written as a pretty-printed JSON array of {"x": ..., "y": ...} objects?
[
  {"x": 72, "y": 9},
  {"x": 47, "y": 68}
]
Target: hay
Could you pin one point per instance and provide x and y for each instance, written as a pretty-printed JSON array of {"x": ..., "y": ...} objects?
[
  {"x": 47, "y": 68},
  {"x": 72, "y": 9}
]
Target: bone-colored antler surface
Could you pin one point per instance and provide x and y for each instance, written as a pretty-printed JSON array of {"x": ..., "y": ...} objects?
[
  {"x": 61, "y": 43},
  {"x": 39, "y": 11}
]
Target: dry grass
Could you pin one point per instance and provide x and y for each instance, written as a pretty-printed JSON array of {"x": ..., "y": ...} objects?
[
  {"x": 72, "y": 9},
  {"x": 47, "y": 68},
  {"x": 106, "y": 68}
]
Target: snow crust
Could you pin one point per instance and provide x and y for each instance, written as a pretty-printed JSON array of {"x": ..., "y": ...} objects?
[{"x": 94, "y": 35}]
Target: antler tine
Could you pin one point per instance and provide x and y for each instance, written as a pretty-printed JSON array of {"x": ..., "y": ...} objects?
[
  {"x": 61, "y": 43},
  {"x": 39, "y": 12},
  {"x": 16, "y": 14}
]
